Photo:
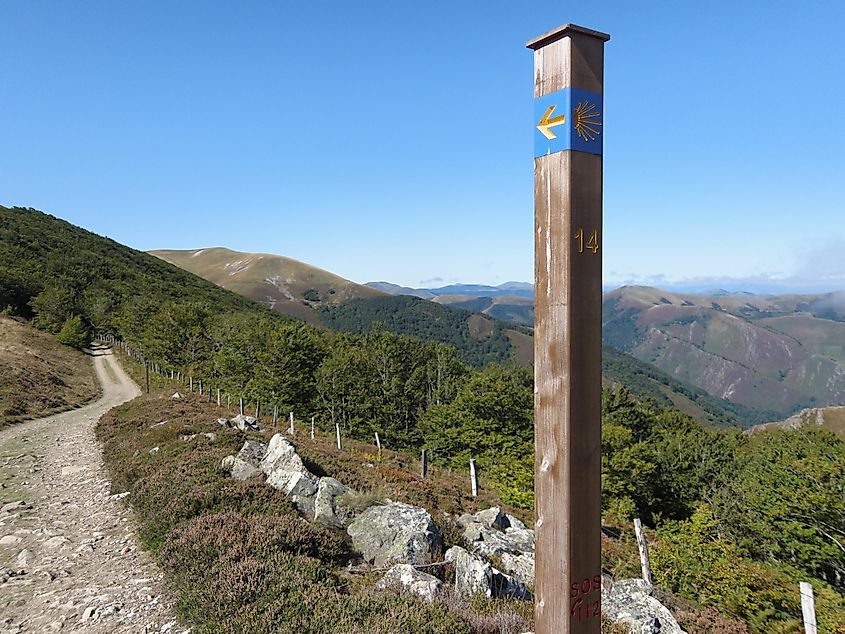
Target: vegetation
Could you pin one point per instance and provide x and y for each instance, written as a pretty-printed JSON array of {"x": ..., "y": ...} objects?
[
  {"x": 479, "y": 340},
  {"x": 38, "y": 376}
]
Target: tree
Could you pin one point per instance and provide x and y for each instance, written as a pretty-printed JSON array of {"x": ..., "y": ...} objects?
[{"x": 73, "y": 333}]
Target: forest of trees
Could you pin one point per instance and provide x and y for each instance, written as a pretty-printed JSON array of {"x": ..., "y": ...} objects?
[{"x": 737, "y": 519}]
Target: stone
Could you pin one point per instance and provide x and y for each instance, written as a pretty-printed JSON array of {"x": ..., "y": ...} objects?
[
  {"x": 300, "y": 487},
  {"x": 187, "y": 437},
  {"x": 629, "y": 602},
  {"x": 89, "y": 613},
  {"x": 492, "y": 518},
  {"x": 224, "y": 422},
  {"x": 245, "y": 423},
  {"x": 20, "y": 505},
  {"x": 325, "y": 502},
  {"x": 406, "y": 578},
  {"x": 247, "y": 462},
  {"x": 210, "y": 436},
  {"x": 473, "y": 574},
  {"x": 56, "y": 542},
  {"x": 506, "y": 587},
  {"x": 9, "y": 540},
  {"x": 177, "y": 395},
  {"x": 488, "y": 542},
  {"x": 25, "y": 558},
  {"x": 520, "y": 567},
  {"x": 513, "y": 522},
  {"x": 395, "y": 533},
  {"x": 281, "y": 454},
  {"x": 522, "y": 537},
  {"x": 154, "y": 451}
]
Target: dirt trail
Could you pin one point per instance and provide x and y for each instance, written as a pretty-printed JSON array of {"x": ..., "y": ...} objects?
[{"x": 69, "y": 560}]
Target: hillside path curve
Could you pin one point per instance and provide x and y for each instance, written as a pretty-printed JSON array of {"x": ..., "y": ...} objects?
[{"x": 69, "y": 560}]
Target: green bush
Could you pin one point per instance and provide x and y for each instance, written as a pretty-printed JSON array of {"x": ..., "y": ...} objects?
[{"x": 73, "y": 333}]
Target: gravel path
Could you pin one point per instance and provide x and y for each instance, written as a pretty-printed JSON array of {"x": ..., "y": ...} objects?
[{"x": 69, "y": 560}]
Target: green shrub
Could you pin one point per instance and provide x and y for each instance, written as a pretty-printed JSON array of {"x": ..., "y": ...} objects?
[{"x": 73, "y": 333}]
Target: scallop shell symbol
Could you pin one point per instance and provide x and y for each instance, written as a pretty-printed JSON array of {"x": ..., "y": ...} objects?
[{"x": 586, "y": 120}]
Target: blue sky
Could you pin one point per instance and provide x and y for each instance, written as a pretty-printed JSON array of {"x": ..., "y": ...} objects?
[{"x": 393, "y": 141}]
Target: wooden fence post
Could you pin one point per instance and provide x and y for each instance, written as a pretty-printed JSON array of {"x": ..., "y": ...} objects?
[
  {"x": 257, "y": 409},
  {"x": 241, "y": 405},
  {"x": 291, "y": 430},
  {"x": 424, "y": 464},
  {"x": 473, "y": 478},
  {"x": 337, "y": 434},
  {"x": 147, "y": 373},
  {"x": 643, "y": 546},
  {"x": 378, "y": 444},
  {"x": 275, "y": 415},
  {"x": 808, "y": 608},
  {"x": 191, "y": 383},
  {"x": 218, "y": 397},
  {"x": 312, "y": 428},
  {"x": 228, "y": 402},
  {"x": 209, "y": 393}
]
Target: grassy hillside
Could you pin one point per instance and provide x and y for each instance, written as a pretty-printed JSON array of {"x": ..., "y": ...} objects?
[
  {"x": 39, "y": 376},
  {"x": 765, "y": 352},
  {"x": 75, "y": 271},
  {"x": 832, "y": 418},
  {"x": 282, "y": 284}
]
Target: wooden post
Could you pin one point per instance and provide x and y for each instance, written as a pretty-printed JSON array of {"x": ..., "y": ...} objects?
[
  {"x": 645, "y": 564},
  {"x": 228, "y": 402},
  {"x": 209, "y": 393},
  {"x": 291, "y": 430},
  {"x": 241, "y": 405},
  {"x": 378, "y": 444},
  {"x": 568, "y": 134},
  {"x": 275, "y": 415},
  {"x": 312, "y": 428},
  {"x": 808, "y": 608},
  {"x": 218, "y": 397},
  {"x": 337, "y": 434},
  {"x": 147, "y": 373},
  {"x": 257, "y": 409},
  {"x": 424, "y": 464},
  {"x": 191, "y": 383},
  {"x": 473, "y": 478},
  {"x": 200, "y": 387}
]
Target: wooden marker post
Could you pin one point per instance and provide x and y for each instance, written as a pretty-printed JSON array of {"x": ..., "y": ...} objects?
[
  {"x": 473, "y": 478},
  {"x": 312, "y": 428},
  {"x": 378, "y": 445},
  {"x": 568, "y": 133},
  {"x": 337, "y": 434},
  {"x": 147, "y": 374},
  {"x": 218, "y": 397},
  {"x": 291, "y": 430},
  {"x": 424, "y": 464},
  {"x": 645, "y": 563}
]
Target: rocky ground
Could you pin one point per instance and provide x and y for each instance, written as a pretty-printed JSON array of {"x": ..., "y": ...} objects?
[{"x": 68, "y": 559}]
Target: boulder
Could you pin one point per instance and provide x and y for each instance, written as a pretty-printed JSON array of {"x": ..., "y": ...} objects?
[
  {"x": 177, "y": 395},
  {"x": 522, "y": 537},
  {"x": 630, "y": 603},
  {"x": 325, "y": 502},
  {"x": 395, "y": 533},
  {"x": 520, "y": 567},
  {"x": 247, "y": 462},
  {"x": 506, "y": 587},
  {"x": 473, "y": 574},
  {"x": 492, "y": 518},
  {"x": 245, "y": 423},
  {"x": 406, "y": 578},
  {"x": 281, "y": 454},
  {"x": 513, "y": 522},
  {"x": 224, "y": 422},
  {"x": 489, "y": 542}
]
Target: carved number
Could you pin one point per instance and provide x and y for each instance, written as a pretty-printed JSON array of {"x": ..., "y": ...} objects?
[{"x": 592, "y": 241}]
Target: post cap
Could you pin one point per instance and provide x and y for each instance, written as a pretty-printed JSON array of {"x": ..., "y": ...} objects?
[{"x": 561, "y": 32}]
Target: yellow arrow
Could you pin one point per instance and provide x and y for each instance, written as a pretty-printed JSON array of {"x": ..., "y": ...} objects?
[{"x": 546, "y": 124}]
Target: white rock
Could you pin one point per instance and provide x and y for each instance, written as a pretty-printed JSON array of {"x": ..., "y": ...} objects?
[{"x": 405, "y": 577}]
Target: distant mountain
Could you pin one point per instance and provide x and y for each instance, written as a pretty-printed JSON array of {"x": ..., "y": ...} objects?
[
  {"x": 285, "y": 285},
  {"x": 395, "y": 289},
  {"x": 776, "y": 353}
]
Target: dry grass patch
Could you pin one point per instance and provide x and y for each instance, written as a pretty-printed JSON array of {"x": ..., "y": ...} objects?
[{"x": 39, "y": 376}]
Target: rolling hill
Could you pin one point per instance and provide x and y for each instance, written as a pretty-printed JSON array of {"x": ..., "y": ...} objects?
[
  {"x": 778, "y": 353},
  {"x": 288, "y": 286},
  {"x": 832, "y": 418}
]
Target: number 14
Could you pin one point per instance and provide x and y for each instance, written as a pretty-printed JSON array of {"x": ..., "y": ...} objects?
[{"x": 592, "y": 241}]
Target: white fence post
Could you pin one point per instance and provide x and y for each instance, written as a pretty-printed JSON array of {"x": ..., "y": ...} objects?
[
  {"x": 808, "y": 608},
  {"x": 643, "y": 546},
  {"x": 473, "y": 478},
  {"x": 337, "y": 434}
]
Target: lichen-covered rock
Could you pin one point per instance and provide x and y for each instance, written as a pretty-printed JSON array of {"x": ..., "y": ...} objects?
[
  {"x": 325, "y": 503},
  {"x": 395, "y": 533},
  {"x": 281, "y": 454},
  {"x": 406, "y": 578},
  {"x": 224, "y": 422},
  {"x": 488, "y": 541},
  {"x": 506, "y": 587},
  {"x": 520, "y": 567},
  {"x": 473, "y": 574},
  {"x": 522, "y": 537},
  {"x": 629, "y": 602},
  {"x": 247, "y": 462},
  {"x": 299, "y": 486},
  {"x": 245, "y": 423},
  {"x": 492, "y": 518}
]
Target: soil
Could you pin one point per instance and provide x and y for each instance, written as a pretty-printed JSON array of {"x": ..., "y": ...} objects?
[{"x": 69, "y": 561}]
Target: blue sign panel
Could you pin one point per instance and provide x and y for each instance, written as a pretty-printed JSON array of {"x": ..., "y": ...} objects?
[{"x": 568, "y": 119}]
